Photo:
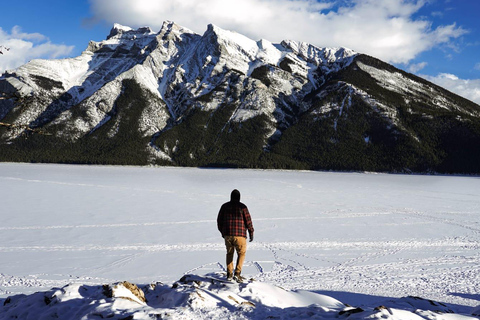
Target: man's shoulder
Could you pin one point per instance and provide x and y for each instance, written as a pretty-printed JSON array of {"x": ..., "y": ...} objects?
[
  {"x": 239, "y": 204},
  {"x": 242, "y": 205},
  {"x": 231, "y": 204},
  {"x": 226, "y": 204}
]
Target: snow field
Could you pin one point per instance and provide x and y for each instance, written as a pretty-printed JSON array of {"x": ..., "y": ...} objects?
[{"x": 357, "y": 237}]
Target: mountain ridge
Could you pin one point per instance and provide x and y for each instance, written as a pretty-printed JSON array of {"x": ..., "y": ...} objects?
[{"x": 221, "y": 99}]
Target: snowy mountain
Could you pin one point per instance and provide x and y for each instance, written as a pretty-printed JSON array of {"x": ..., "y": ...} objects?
[{"x": 221, "y": 99}]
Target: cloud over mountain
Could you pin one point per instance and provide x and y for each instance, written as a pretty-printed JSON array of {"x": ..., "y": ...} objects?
[
  {"x": 389, "y": 30},
  {"x": 26, "y": 46},
  {"x": 469, "y": 89}
]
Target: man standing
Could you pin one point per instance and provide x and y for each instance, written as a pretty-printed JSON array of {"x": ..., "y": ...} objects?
[{"x": 233, "y": 221}]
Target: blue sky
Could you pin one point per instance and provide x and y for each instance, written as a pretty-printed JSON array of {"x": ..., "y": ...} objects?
[{"x": 436, "y": 39}]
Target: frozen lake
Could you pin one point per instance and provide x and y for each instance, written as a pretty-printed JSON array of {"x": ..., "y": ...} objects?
[{"x": 353, "y": 236}]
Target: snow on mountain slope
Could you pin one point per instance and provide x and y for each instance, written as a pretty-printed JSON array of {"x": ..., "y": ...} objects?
[
  {"x": 396, "y": 82},
  {"x": 97, "y": 65},
  {"x": 163, "y": 61},
  {"x": 184, "y": 97}
]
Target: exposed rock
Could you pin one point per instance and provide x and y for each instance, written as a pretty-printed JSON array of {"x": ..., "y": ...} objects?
[{"x": 124, "y": 290}]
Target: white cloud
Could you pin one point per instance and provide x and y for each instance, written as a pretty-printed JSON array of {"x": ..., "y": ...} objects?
[
  {"x": 26, "y": 46},
  {"x": 384, "y": 29},
  {"x": 414, "y": 68},
  {"x": 438, "y": 14},
  {"x": 18, "y": 34},
  {"x": 469, "y": 89}
]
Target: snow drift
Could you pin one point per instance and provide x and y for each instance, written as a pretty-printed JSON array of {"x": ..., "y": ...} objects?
[{"x": 209, "y": 297}]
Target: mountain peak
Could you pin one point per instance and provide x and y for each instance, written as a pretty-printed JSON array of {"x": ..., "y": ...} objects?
[
  {"x": 171, "y": 29},
  {"x": 119, "y": 30},
  {"x": 118, "y": 26},
  {"x": 230, "y": 36},
  {"x": 316, "y": 54}
]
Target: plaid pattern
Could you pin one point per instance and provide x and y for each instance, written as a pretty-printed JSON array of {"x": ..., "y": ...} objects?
[{"x": 234, "y": 220}]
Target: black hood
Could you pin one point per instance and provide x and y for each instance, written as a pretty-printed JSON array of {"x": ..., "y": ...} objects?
[{"x": 235, "y": 196}]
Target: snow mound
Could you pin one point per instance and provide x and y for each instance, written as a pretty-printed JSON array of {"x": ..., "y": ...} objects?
[{"x": 207, "y": 297}]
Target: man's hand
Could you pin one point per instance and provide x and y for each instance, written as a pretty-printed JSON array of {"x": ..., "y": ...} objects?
[{"x": 251, "y": 237}]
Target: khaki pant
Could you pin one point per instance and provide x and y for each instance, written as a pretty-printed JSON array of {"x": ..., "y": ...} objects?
[{"x": 233, "y": 244}]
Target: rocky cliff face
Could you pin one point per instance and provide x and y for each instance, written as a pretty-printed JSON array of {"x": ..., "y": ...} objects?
[{"x": 221, "y": 99}]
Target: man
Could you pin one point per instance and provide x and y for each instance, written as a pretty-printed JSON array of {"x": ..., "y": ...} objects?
[{"x": 233, "y": 221}]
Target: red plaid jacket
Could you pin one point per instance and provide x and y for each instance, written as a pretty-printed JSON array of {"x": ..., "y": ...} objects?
[{"x": 234, "y": 220}]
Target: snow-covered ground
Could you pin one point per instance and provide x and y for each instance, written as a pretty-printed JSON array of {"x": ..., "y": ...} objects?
[{"x": 322, "y": 240}]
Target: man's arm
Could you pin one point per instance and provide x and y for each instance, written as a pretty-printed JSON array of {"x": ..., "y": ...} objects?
[
  {"x": 220, "y": 222},
  {"x": 248, "y": 223}
]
